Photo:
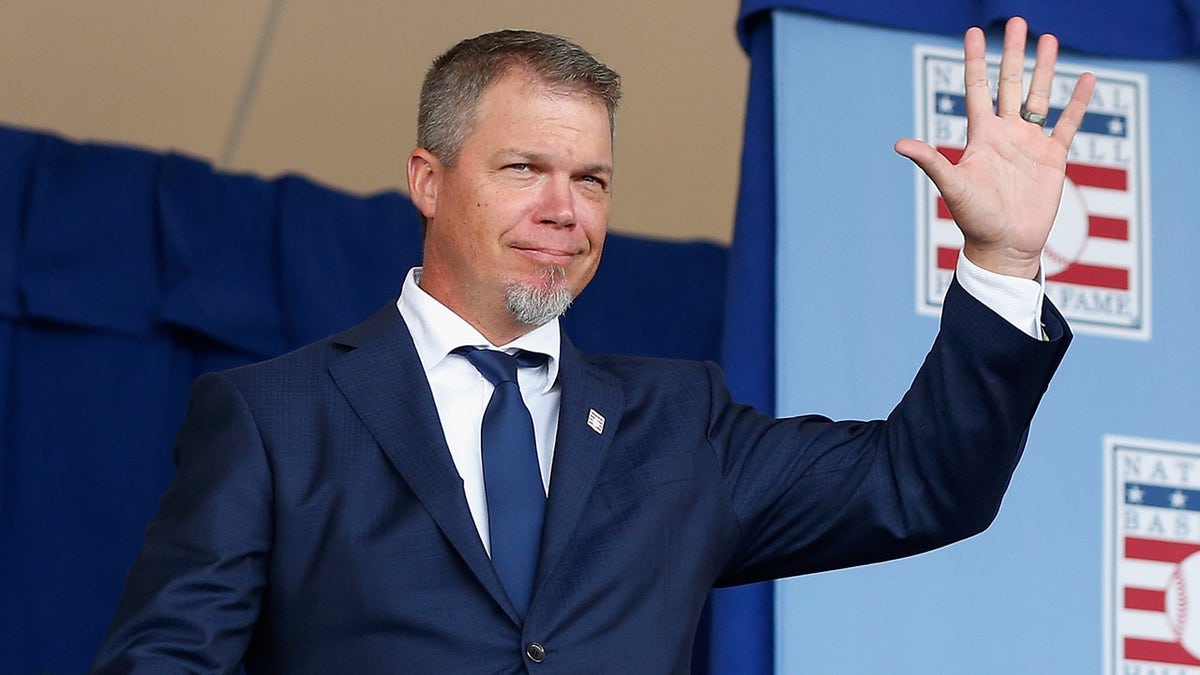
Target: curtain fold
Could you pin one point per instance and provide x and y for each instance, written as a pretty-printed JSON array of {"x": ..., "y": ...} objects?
[
  {"x": 89, "y": 249},
  {"x": 341, "y": 257},
  {"x": 741, "y": 621},
  {"x": 218, "y": 252},
  {"x": 17, "y": 149}
]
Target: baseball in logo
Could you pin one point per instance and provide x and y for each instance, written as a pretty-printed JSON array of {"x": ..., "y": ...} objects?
[
  {"x": 1096, "y": 260},
  {"x": 1152, "y": 565}
]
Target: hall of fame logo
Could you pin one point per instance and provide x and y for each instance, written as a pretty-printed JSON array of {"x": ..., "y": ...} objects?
[
  {"x": 1151, "y": 557},
  {"x": 1097, "y": 258}
]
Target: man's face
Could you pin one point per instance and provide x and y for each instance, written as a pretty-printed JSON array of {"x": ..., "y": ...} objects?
[{"x": 524, "y": 207}]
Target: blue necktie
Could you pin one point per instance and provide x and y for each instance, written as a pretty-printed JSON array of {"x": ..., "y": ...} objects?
[{"x": 512, "y": 480}]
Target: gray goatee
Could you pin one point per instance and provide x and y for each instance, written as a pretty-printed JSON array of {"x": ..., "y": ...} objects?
[{"x": 535, "y": 304}]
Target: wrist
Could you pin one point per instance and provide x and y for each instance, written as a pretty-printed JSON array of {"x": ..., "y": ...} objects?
[{"x": 1020, "y": 265}]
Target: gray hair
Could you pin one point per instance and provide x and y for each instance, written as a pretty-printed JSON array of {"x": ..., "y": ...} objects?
[{"x": 457, "y": 79}]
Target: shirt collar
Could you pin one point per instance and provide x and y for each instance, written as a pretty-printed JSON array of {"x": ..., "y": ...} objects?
[{"x": 436, "y": 330}]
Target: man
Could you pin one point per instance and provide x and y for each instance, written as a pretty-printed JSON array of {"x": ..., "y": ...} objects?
[{"x": 340, "y": 509}]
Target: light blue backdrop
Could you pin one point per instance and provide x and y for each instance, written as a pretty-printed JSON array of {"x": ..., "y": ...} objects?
[{"x": 1026, "y": 596}]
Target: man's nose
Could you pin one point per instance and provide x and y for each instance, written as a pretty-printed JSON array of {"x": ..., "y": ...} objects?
[{"x": 557, "y": 205}]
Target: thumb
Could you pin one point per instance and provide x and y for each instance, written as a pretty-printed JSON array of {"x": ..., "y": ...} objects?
[{"x": 933, "y": 163}]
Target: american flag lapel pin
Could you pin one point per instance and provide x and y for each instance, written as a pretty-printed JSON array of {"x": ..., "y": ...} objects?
[{"x": 595, "y": 421}]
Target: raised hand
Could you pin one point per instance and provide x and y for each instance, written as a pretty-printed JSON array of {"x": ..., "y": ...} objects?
[{"x": 1004, "y": 191}]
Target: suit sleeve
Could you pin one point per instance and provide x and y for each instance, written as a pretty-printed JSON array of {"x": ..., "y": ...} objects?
[
  {"x": 192, "y": 598},
  {"x": 811, "y": 495}
]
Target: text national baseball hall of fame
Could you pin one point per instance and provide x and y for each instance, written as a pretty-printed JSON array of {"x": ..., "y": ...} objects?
[
  {"x": 1152, "y": 557},
  {"x": 1097, "y": 258}
]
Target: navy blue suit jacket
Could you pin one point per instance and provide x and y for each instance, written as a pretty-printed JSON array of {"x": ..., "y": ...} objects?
[{"x": 317, "y": 523}]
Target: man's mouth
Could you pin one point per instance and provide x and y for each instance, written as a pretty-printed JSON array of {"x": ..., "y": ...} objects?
[{"x": 547, "y": 256}]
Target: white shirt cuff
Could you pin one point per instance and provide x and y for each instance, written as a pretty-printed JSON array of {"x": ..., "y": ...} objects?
[{"x": 1018, "y": 300}]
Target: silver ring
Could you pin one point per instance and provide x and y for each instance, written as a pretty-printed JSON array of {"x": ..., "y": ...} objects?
[{"x": 1034, "y": 117}]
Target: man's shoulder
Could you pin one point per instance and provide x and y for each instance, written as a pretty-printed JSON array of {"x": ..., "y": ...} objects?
[
  {"x": 314, "y": 356},
  {"x": 651, "y": 370}
]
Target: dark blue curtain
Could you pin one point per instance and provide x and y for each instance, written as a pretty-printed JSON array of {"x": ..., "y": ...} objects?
[
  {"x": 1151, "y": 29},
  {"x": 125, "y": 274},
  {"x": 740, "y": 624}
]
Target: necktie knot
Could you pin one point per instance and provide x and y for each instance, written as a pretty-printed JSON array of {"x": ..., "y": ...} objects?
[{"x": 497, "y": 366}]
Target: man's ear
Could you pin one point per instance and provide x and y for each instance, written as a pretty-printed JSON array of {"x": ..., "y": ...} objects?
[{"x": 424, "y": 178}]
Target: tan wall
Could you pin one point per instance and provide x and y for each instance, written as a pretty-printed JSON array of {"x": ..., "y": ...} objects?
[{"x": 334, "y": 93}]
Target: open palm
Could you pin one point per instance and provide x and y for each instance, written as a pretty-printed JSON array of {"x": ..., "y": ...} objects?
[{"x": 1005, "y": 189}]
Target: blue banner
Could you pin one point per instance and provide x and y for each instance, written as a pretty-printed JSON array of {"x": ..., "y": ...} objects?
[{"x": 858, "y": 237}]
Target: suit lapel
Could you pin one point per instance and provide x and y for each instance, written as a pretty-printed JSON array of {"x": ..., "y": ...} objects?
[
  {"x": 579, "y": 450},
  {"x": 383, "y": 380}
]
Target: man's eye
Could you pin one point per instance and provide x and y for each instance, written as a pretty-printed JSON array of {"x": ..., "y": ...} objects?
[
  {"x": 595, "y": 180},
  {"x": 519, "y": 166}
]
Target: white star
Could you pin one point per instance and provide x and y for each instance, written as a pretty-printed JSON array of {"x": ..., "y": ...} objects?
[
  {"x": 1135, "y": 494},
  {"x": 1178, "y": 499},
  {"x": 1116, "y": 127},
  {"x": 945, "y": 105}
]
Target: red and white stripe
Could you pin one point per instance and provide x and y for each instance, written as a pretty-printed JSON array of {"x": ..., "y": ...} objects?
[{"x": 1104, "y": 262}]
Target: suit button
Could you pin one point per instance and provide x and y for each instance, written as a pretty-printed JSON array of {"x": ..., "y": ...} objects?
[{"x": 536, "y": 652}]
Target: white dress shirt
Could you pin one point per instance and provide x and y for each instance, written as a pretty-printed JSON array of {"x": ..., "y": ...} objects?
[
  {"x": 1019, "y": 301},
  {"x": 461, "y": 393}
]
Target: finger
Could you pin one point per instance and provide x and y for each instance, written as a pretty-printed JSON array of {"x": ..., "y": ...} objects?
[
  {"x": 933, "y": 163},
  {"x": 1043, "y": 75},
  {"x": 979, "y": 94},
  {"x": 1010, "y": 89},
  {"x": 1072, "y": 115}
]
